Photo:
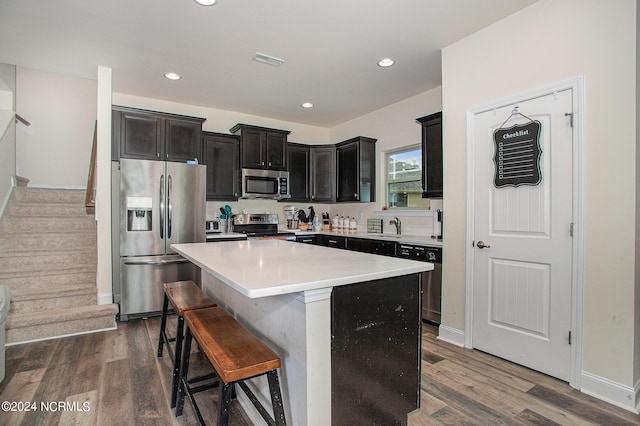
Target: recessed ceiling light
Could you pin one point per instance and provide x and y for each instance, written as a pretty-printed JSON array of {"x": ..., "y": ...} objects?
[
  {"x": 206, "y": 2},
  {"x": 307, "y": 105},
  {"x": 386, "y": 62},
  {"x": 172, "y": 76}
]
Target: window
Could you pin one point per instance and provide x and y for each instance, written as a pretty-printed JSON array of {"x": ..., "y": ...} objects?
[{"x": 404, "y": 178}]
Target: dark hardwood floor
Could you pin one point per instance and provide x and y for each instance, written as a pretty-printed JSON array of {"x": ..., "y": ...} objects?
[
  {"x": 115, "y": 378},
  {"x": 469, "y": 387},
  {"x": 116, "y": 373}
]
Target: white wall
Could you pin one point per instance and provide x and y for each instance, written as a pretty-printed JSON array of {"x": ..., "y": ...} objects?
[
  {"x": 550, "y": 41},
  {"x": 55, "y": 150},
  {"x": 7, "y": 86},
  {"x": 7, "y": 133},
  {"x": 394, "y": 127},
  {"x": 103, "y": 186},
  {"x": 636, "y": 375}
]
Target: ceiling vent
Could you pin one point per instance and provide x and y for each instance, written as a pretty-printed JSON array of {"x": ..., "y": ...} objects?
[{"x": 269, "y": 60}]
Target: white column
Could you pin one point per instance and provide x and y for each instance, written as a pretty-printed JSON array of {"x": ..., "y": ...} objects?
[
  {"x": 298, "y": 328},
  {"x": 103, "y": 188},
  {"x": 318, "y": 359}
]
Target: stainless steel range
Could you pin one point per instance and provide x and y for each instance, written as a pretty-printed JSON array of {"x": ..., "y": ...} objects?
[{"x": 260, "y": 225}]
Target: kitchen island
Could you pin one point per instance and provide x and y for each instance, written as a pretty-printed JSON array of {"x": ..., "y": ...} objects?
[{"x": 345, "y": 324}]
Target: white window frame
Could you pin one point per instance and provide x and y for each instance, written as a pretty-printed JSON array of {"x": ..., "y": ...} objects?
[{"x": 412, "y": 147}]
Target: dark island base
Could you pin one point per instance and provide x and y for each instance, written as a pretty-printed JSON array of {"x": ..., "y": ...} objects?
[{"x": 375, "y": 351}]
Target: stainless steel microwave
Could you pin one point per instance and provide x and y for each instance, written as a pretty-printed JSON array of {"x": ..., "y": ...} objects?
[{"x": 269, "y": 184}]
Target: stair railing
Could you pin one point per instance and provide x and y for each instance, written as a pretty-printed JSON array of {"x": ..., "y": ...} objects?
[{"x": 90, "y": 197}]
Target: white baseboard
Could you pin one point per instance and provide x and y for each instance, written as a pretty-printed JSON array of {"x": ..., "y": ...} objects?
[
  {"x": 105, "y": 298},
  {"x": 614, "y": 393},
  {"x": 451, "y": 335}
]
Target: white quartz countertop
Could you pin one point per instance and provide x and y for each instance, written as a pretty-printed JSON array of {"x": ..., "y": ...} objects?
[{"x": 261, "y": 268}]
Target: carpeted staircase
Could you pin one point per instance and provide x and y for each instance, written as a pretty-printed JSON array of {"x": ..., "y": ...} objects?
[{"x": 48, "y": 258}]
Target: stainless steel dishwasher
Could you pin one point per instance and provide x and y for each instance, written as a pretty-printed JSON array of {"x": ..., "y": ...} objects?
[{"x": 431, "y": 280}]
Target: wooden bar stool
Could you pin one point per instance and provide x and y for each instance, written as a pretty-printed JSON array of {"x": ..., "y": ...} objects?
[
  {"x": 236, "y": 355},
  {"x": 183, "y": 296}
]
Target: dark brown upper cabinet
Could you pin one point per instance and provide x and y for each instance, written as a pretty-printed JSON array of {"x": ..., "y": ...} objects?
[
  {"x": 323, "y": 174},
  {"x": 221, "y": 155},
  {"x": 432, "y": 169},
  {"x": 262, "y": 148},
  {"x": 151, "y": 135},
  {"x": 299, "y": 172},
  {"x": 312, "y": 173},
  {"x": 356, "y": 170}
]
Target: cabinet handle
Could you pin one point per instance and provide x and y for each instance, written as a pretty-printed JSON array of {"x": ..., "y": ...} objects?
[
  {"x": 262, "y": 163},
  {"x": 158, "y": 154},
  {"x": 269, "y": 163},
  {"x": 355, "y": 195}
]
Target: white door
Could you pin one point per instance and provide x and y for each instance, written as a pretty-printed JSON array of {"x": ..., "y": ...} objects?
[{"x": 522, "y": 237}]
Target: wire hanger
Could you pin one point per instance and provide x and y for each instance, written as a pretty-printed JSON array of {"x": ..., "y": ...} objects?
[{"x": 515, "y": 111}]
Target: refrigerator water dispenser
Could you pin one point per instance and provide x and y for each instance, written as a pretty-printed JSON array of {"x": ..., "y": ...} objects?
[{"x": 139, "y": 213}]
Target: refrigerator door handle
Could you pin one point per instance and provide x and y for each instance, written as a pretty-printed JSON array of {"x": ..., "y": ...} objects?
[
  {"x": 169, "y": 207},
  {"x": 155, "y": 262},
  {"x": 162, "y": 207}
]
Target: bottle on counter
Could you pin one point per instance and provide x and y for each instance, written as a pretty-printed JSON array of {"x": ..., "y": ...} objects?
[
  {"x": 340, "y": 224},
  {"x": 334, "y": 223},
  {"x": 353, "y": 225}
]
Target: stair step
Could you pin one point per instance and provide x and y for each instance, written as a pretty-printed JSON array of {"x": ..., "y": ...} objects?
[
  {"x": 48, "y": 240},
  {"x": 51, "y": 277},
  {"x": 23, "y": 260},
  {"x": 46, "y": 209},
  {"x": 46, "y": 195},
  {"x": 48, "y": 259},
  {"x": 51, "y": 298},
  {"x": 24, "y": 327},
  {"x": 12, "y": 225}
]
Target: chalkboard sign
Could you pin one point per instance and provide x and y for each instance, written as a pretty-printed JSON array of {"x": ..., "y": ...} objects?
[{"x": 517, "y": 155}]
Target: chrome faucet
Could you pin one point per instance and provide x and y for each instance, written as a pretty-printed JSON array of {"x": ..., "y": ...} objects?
[{"x": 395, "y": 221}]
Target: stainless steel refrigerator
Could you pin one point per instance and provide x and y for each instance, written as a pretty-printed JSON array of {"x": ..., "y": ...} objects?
[{"x": 160, "y": 203}]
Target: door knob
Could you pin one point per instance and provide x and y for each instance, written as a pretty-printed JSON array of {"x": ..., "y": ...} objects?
[{"x": 481, "y": 245}]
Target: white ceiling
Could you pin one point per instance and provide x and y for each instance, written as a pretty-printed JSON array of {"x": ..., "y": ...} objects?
[{"x": 330, "y": 49}]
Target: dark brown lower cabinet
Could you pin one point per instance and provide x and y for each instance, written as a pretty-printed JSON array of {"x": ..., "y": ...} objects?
[{"x": 375, "y": 351}]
